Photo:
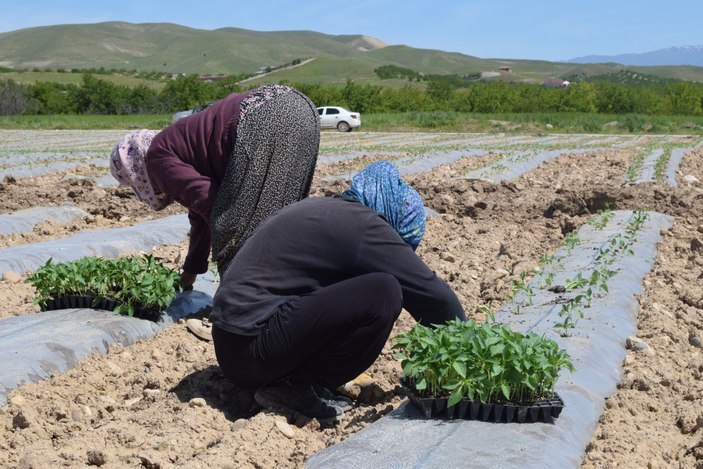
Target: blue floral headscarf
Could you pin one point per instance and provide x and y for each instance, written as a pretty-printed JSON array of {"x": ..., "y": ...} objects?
[{"x": 380, "y": 188}]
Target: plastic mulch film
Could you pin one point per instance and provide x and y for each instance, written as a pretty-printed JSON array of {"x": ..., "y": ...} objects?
[
  {"x": 101, "y": 243},
  {"x": 405, "y": 439},
  {"x": 673, "y": 165},
  {"x": 34, "y": 346},
  {"x": 518, "y": 164},
  {"x": 645, "y": 172},
  {"x": 23, "y": 221}
]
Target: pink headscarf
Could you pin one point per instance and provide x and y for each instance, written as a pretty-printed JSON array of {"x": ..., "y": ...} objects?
[{"x": 128, "y": 166}]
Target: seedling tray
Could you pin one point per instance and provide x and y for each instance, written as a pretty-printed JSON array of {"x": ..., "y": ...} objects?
[
  {"x": 82, "y": 301},
  {"x": 545, "y": 410}
]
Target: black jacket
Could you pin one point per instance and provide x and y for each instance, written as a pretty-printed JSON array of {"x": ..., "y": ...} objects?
[{"x": 315, "y": 243}]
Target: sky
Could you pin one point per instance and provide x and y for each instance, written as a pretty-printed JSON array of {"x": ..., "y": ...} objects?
[{"x": 517, "y": 29}]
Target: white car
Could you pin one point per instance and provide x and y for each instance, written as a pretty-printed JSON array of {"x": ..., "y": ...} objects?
[{"x": 337, "y": 117}]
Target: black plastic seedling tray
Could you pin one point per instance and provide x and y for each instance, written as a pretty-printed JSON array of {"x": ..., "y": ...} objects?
[
  {"x": 81, "y": 301},
  {"x": 545, "y": 410}
]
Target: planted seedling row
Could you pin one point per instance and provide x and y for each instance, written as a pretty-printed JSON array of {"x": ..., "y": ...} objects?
[
  {"x": 516, "y": 165},
  {"x": 657, "y": 160},
  {"x": 596, "y": 348},
  {"x": 568, "y": 282}
]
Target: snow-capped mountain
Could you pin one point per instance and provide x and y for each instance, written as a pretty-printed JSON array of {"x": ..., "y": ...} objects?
[{"x": 680, "y": 55}]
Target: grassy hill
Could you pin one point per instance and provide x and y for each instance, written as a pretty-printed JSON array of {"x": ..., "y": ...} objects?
[{"x": 171, "y": 48}]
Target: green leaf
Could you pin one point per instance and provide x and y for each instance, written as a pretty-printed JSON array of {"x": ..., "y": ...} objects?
[
  {"x": 455, "y": 397},
  {"x": 506, "y": 390},
  {"x": 460, "y": 368}
]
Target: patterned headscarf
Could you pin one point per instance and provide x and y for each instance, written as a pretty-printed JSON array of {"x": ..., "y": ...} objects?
[
  {"x": 380, "y": 188},
  {"x": 128, "y": 166}
]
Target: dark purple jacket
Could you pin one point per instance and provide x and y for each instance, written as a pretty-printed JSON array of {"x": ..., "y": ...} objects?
[{"x": 187, "y": 160}]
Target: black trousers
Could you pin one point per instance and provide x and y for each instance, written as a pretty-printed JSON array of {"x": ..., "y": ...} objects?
[{"x": 327, "y": 337}]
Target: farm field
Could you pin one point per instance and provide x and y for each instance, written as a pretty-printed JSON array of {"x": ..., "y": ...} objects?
[{"x": 499, "y": 204}]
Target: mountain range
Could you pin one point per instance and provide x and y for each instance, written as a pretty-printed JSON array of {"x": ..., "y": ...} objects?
[
  {"x": 680, "y": 55},
  {"x": 321, "y": 58}
]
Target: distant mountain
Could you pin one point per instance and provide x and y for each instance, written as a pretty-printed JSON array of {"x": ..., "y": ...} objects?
[
  {"x": 681, "y": 55},
  {"x": 172, "y": 48},
  {"x": 169, "y": 47}
]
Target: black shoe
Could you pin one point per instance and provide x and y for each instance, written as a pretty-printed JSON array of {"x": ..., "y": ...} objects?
[
  {"x": 330, "y": 398},
  {"x": 290, "y": 396}
]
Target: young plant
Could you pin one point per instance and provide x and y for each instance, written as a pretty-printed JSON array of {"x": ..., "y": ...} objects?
[
  {"x": 579, "y": 282},
  {"x": 522, "y": 285},
  {"x": 571, "y": 313},
  {"x": 635, "y": 167},
  {"x": 602, "y": 218},
  {"x": 487, "y": 310},
  {"x": 639, "y": 217},
  {"x": 572, "y": 240}
]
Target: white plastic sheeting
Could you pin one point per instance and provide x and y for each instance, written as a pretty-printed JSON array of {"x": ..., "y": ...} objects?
[
  {"x": 100, "y": 243},
  {"x": 33, "y": 346},
  {"x": 673, "y": 165},
  {"x": 404, "y": 439},
  {"x": 645, "y": 173},
  {"x": 25, "y": 220},
  {"x": 518, "y": 164}
]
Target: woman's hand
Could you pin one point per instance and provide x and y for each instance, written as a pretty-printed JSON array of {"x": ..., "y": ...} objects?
[{"x": 187, "y": 280}]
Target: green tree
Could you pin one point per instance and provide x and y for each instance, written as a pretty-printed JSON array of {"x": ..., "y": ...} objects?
[
  {"x": 141, "y": 100},
  {"x": 96, "y": 96},
  {"x": 685, "y": 98},
  {"x": 360, "y": 98},
  {"x": 579, "y": 97},
  {"x": 227, "y": 86},
  {"x": 614, "y": 98},
  {"x": 54, "y": 98},
  {"x": 321, "y": 95},
  {"x": 441, "y": 93},
  {"x": 386, "y": 72},
  {"x": 183, "y": 93},
  {"x": 404, "y": 99}
]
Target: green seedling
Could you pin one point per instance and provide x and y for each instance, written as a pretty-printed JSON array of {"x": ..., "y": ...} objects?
[
  {"x": 638, "y": 219},
  {"x": 661, "y": 164},
  {"x": 572, "y": 240},
  {"x": 487, "y": 310},
  {"x": 547, "y": 274},
  {"x": 602, "y": 218},
  {"x": 521, "y": 285},
  {"x": 579, "y": 282},
  {"x": 546, "y": 260},
  {"x": 548, "y": 280},
  {"x": 571, "y": 313},
  {"x": 605, "y": 255},
  {"x": 599, "y": 278}
]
